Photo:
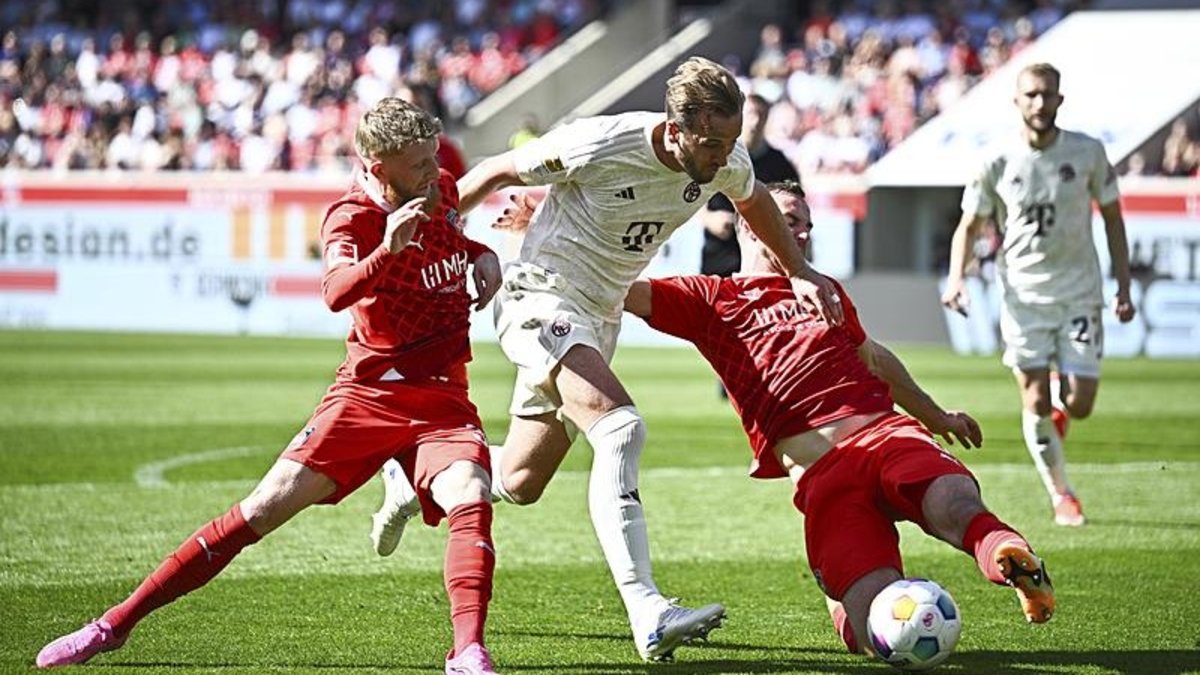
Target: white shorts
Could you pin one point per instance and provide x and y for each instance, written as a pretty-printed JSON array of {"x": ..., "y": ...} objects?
[
  {"x": 537, "y": 324},
  {"x": 1069, "y": 336}
]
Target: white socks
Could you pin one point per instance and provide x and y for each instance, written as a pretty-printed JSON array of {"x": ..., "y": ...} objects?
[
  {"x": 617, "y": 439},
  {"x": 1045, "y": 447}
]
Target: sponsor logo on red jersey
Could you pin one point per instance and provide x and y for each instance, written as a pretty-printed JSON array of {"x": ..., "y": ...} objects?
[
  {"x": 339, "y": 252},
  {"x": 445, "y": 270}
]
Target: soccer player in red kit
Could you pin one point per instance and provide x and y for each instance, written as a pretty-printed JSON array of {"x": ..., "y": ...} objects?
[
  {"x": 817, "y": 404},
  {"x": 397, "y": 260}
]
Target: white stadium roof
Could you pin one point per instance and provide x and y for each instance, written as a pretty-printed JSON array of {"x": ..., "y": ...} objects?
[{"x": 1125, "y": 76}]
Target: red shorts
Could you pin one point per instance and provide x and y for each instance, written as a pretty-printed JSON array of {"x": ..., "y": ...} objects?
[
  {"x": 852, "y": 497},
  {"x": 357, "y": 428}
]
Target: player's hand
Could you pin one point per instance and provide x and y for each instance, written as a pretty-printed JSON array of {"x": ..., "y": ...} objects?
[
  {"x": 1123, "y": 307},
  {"x": 817, "y": 292},
  {"x": 956, "y": 296},
  {"x": 516, "y": 216},
  {"x": 402, "y": 224},
  {"x": 487, "y": 276},
  {"x": 957, "y": 426}
]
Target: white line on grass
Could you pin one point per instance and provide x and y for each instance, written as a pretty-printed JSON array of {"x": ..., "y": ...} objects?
[{"x": 153, "y": 474}]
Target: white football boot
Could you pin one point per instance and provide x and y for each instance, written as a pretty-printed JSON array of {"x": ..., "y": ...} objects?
[
  {"x": 675, "y": 626},
  {"x": 399, "y": 505}
]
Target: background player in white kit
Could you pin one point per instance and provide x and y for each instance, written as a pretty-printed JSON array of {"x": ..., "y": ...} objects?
[
  {"x": 619, "y": 186},
  {"x": 1040, "y": 188}
]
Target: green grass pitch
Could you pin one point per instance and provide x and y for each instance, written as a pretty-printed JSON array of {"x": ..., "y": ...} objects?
[{"x": 113, "y": 448}]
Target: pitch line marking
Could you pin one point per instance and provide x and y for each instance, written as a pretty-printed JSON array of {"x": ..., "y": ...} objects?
[{"x": 153, "y": 474}]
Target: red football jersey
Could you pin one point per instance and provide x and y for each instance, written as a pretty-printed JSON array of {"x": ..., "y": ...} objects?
[
  {"x": 786, "y": 371},
  {"x": 411, "y": 310}
]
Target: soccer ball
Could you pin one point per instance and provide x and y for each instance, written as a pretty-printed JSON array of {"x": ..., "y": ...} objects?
[{"x": 914, "y": 624}]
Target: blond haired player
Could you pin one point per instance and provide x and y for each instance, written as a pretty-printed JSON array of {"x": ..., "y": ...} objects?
[
  {"x": 1040, "y": 187},
  {"x": 396, "y": 258}
]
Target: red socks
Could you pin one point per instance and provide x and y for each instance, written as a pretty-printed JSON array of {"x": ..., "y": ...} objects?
[
  {"x": 470, "y": 563},
  {"x": 197, "y": 560},
  {"x": 985, "y": 533},
  {"x": 841, "y": 623}
]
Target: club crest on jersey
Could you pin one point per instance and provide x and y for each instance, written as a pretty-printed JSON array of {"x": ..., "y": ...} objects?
[
  {"x": 452, "y": 218},
  {"x": 692, "y": 192},
  {"x": 560, "y": 328},
  {"x": 1066, "y": 173},
  {"x": 339, "y": 252}
]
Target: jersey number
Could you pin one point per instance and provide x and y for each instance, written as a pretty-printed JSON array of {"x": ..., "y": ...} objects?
[
  {"x": 640, "y": 233},
  {"x": 1041, "y": 215},
  {"x": 1087, "y": 330}
]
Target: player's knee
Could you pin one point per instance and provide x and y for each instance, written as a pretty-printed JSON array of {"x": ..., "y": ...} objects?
[
  {"x": 521, "y": 488},
  {"x": 1079, "y": 408},
  {"x": 262, "y": 513},
  {"x": 462, "y": 482}
]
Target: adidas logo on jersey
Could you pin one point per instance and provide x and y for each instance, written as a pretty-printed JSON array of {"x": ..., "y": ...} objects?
[{"x": 627, "y": 193}]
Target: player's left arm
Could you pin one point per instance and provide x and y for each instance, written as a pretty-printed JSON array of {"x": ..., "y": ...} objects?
[
  {"x": 767, "y": 223},
  {"x": 1118, "y": 251},
  {"x": 1102, "y": 185},
  {"x": 953, "y": 425}
]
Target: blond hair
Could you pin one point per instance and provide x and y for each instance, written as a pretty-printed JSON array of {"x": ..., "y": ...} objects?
[
  {"x": 392, "y": 125},
  {"x": 700, "y": 87},
  {"x": 1042, "y": 70}
]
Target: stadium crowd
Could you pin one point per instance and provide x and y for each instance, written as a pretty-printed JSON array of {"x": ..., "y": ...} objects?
[
  {"x": 856, "y": 78},
  {"x": 226, "y": 85}
]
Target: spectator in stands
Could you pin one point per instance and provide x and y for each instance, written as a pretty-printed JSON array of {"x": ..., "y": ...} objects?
[
  {"x": 720, "y": 255},
  {"x": 284, "y": 85}
]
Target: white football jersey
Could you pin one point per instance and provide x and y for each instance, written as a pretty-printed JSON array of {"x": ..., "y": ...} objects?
[
  {"x": 611, "y": 203},
  {"x": 1043, "y": 202}
]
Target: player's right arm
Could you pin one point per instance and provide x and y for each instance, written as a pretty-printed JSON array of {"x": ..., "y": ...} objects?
[
  {"x": 552, "y": 158},
  {"x": 956, "y": 296},
  {"x": 951, "y": 425},
  {"x": 349, "y": 278},
  {"x": 978, "y": 203},
  {"x": 492, "y": 174}
]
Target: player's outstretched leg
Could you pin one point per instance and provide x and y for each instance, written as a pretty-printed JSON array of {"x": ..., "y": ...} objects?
[
  {"x": 400, "y": 504},
  {"x": 1026, "y": 573},
  {"x": 955, "y": 513},
  {"x": 675, "y": 626},
  {"x": 286, "y": 490},
  {"x": 1006, "y": 558},
  {"x": 196, "y": 561}
]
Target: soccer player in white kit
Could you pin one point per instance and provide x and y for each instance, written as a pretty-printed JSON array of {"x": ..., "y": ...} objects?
[
  {"x": 619, "y": 186},
  {"x": 1041, "y": 188}
]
